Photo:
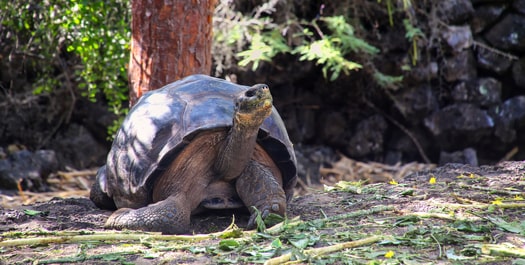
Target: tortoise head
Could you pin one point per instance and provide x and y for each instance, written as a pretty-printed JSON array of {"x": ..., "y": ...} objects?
[{"x": 254, "y": 105}]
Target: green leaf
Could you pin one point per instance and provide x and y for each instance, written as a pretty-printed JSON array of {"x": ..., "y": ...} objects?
[
  {"x": 33, "y": 212},
  {"x": 228, "y": 244},
  {"x": 451, "y": 255},
  {"x": 466, "y": 226},
  {"x": 276, "y": 243},
  {"x": 513, "y": 227},
  {"x": 272, "y": 219}
]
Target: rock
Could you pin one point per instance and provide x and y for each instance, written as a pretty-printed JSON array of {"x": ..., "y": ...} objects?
[
  {"x": 485, "y": 15},
  {"x": 509, "y": 117},
  {"x": 467, "y": 156},
  {"x": 77, "y": 148},
  {"x": 460, "y": 67},
  {"x": 490, "y": 60},
  {"x": 368, "y": 138},
  {"x": 512, "y": 112},
  {"x": 458, "y": 37},
  {"x": 416, "y": 102},
  {"x": 401, "y": 144},
  {"x": 454, "y": 11},
  {"x": 459, "y": 125},
  {"x": 518, "y": 72},
  {"x": 519, "y": 5},
  {"x": 30, "y": 169},
  {"x": 508, "y": 34},
  {"x": 480, "y": 91},
  {"x": 333, "y": 128},
  {"x": 310, "y": 159}
]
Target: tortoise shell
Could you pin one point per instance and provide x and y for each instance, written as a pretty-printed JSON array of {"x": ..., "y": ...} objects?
[{"x": 165, "y": 120}]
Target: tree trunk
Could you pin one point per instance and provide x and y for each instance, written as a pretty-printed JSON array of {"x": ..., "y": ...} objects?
[{"x": 169, "y": 41}]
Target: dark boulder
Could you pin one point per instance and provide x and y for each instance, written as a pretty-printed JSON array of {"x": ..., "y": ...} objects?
[
  {"x": 454, "y": 11},
  {"x": 460, "y": 67},
  {"x": 480, "y": 91},
  {"x": 368, "y": 139},
  {"x": 486, "y": 15},
  {"x": 491, "y": 60},
  {"x": 467, "y": 156},
  {"x": 508, "y": 34},
  {"x": 459, "y": 125},
  {"x": 27, "y": 169},
  {"x": 518, "y": 72},
  {"x": 416, "y": 102}
]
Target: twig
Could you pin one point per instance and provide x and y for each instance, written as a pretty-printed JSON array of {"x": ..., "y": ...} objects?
[
  {"x": 324, "y": 250},
  {"x": 405, "y": 130},
  {"x": 509, "y": 154}
]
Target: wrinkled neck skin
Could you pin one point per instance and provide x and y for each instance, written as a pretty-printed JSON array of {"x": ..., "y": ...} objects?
[{"x": 238, "y": 146}]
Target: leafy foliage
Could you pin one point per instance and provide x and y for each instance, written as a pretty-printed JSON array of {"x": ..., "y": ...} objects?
[
  {"x": 330, "y": 51},
  {"x": 329, "y": 40},
  {"x": 56, "y": 33}
]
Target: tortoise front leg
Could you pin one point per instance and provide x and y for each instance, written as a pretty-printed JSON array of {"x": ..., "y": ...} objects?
[
  {"x": 257, "y": 186},
  {"x": 170, "y": 216}
]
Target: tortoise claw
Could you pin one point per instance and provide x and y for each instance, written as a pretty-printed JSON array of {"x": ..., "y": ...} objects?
[{"x": 265, "y": 212}]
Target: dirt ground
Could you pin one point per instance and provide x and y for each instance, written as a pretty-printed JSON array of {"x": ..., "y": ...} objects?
[{"x": 456, "y": 214}]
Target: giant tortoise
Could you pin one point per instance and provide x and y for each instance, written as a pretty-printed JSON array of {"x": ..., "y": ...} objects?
[{"x": 198, "y": 143}]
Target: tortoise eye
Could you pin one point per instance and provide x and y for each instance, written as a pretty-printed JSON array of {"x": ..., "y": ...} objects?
[{"x": 250, "y": 93}]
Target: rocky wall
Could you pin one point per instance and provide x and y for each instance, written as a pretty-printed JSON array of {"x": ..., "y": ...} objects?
[
  {"x": 463, "y": 101},
  {"x": 480, "y": 89}
]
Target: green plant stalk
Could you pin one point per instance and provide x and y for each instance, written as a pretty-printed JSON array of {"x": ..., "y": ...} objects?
[
  {"x": 503, "y": 205},
  {"x": 373, "y": 210},
  {"x": 390, "y": 12},
  {"x": 328, "y": 249},
  {"x": 67, "y": 239},
  {"x": 443, "y": 216},
  {"x": 415, "y": 56},
  {"x": 501, "y": 250}
]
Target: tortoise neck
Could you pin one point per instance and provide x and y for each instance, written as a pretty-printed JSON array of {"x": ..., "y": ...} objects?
[{"x": 237, "y": 148}]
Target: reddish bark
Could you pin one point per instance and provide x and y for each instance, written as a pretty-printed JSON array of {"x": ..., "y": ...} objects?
[{"x": 169, "y": 41}]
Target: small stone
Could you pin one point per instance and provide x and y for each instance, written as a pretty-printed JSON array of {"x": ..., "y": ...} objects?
[
  {"x": 508, "y": 34},
  {"x": 490, "y": 60},
  {"x": 458, "y": 37},
  {"x": 467, "y": 156},
  {"x": 512, "y": 112},
  {"x": 486, "y": 15},
  {"x": 509, "y": 117},
  {"x": 480, "y": 91},
  {"x": 460, "y": 67},
  {"x": 519, "y": 5},
  {"x": 518, "y": 72},
  {"x": 459, "y": 125},
  {"x": 368, "y": 138},
  {"x": 416, "y": 102},
  {"x": 455, "y": 11}
]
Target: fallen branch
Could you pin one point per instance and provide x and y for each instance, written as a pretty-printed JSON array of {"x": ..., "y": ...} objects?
[{"x": 328, "y": 249}]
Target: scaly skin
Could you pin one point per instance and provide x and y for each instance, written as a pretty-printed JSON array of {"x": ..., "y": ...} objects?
[
  {"x": 180, "y": 190},
  {"x": 252, "y": 107},
  {"x": 258, "y": 187}
]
